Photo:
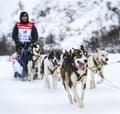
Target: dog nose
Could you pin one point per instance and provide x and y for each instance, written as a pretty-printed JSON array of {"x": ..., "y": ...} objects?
[
  {"x": 55, "y": 61},
  {"x": 106, "y": 59},
  {"x": 85, "y": 60}
]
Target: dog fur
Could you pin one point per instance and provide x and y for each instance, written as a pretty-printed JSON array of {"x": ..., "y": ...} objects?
[
  {"x": 74, "y": 71},
  {"x": 96, "y": 62},
  {"x": 50, "y": 65},
  {"x": 34, "y": 62}
]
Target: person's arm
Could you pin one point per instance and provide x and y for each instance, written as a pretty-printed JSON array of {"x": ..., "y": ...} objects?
[
  {"x": 34, "y": 34},
  {"x": 15, "y": 34}
]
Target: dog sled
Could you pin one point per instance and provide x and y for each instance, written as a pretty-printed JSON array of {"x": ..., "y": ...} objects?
[
  {"x": 28, "y": 56},
  {"x": 19, "y": 62}
]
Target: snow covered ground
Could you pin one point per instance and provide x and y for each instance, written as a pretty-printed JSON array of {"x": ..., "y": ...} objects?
[{"x": 18, "y": 97}]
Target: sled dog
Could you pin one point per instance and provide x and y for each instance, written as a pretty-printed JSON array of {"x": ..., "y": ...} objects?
[
  {"x": 50, "y": 65},
  {"x": 34, "y": 62},
  {"x": 73, "y": 72},
  {"x": 96, "y": 62}
]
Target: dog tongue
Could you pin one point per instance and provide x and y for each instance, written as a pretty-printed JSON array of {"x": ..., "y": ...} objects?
[
  {"x": 81, "y": 66},
  {"x": 37, "y": 52},
  {"x": 55, "y": 64},
  {"x": 104, "y": 62}
]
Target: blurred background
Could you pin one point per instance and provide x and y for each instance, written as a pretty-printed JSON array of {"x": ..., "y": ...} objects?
[{"x": 63, "y": 24}]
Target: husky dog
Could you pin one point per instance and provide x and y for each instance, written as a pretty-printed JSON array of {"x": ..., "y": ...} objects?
[
  {"x": 74, "y": 71},
  {"x": 96, "y": 62},
  {"x": 50, "y": 65},
  {"x": 34, "y": 62}
]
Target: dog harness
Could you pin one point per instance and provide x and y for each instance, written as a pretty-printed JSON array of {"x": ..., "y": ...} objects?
[
  {"x": 77, "y": 74},
  {"x": 80, "y": 76},
  {"x": 52, "y": 71},
  {"x": 33, "y": 61},
  {"x": 97, "y": 65},
  {"x": 24, "y": 31}
]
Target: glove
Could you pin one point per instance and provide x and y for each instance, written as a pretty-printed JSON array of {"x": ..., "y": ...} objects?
[
  {"x": 32, "y": 41},
  {"x": 18, "y": 44},
  {"x": 18, "y": 47}
]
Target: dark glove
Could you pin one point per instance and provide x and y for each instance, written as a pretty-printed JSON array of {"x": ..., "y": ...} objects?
[
  {"x": 18, "y": 47},
  {"x": 18, "y": 44},
  {"x": 32, "y": 41}
]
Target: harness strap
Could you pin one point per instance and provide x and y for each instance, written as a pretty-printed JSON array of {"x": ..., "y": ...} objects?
[
  {"x": 78, "y": 75},
  {"x": 52, "y": 71},
  {"x": 95, "y": 61},
  {"x": 33, "y": 61},
  {"x": 74, "y": 68},
  {"x": 96, "y": 65}
]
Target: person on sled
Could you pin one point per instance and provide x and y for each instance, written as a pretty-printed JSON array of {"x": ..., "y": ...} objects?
[{"x": 24, "y": 33}]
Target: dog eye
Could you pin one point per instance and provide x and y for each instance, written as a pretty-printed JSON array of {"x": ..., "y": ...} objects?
[
  {"x": 79, "y": 56},
  {"x": 102, "y": 55},
  {"x": 85, "y": 53}
]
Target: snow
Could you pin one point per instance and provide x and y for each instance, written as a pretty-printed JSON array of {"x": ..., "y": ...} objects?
[{"x": 22, "y": 97}]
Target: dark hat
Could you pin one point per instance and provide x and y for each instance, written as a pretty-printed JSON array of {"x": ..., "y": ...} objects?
[{"x": 22, "y": 14}]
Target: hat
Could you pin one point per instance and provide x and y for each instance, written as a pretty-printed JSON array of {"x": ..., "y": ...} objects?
[{"x": 22, "y": 14}]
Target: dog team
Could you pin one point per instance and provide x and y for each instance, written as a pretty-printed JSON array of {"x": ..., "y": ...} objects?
[{"x": 71, "y": 67}]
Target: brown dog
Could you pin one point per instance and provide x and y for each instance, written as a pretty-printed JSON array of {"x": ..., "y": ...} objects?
[{"x": 74, "y": 71}]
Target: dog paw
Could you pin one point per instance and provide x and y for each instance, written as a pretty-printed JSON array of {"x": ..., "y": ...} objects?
[
  {"x": 92, "y": 84},
  {"x": 48, "y": 87},
  {"x": 29, "y": 80},
  {"x": 100, "y": 82},
  {"x": 81, "y": 105},
  {"x": 75, "y": 100}
]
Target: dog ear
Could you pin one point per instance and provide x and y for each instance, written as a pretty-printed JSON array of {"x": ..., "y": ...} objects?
[
  {"x": 66, "y": 51},
  {"x": 70, "y": 51},
  {"x": 107, "y": 51},
  {"x": 58, "y": 53},
  {"x": 73, "y": 49},
  {"x": 96, "y": 50},
  {"x": 82, "y": 47},
  {"x": 50, "y": 54}
]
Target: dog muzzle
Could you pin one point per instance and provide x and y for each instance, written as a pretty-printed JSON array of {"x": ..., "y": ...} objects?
[{"x": 81, "y": 65}]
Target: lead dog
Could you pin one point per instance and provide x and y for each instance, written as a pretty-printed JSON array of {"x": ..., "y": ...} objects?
[
  {"x": 74, "y": 71},
  {"x": 34, "y": 62},
  {"x": 96, "y": 62},
  {"x": 50, "y": 65}
]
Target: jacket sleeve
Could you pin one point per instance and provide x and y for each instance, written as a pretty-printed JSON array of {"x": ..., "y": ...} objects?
[
  {"x": 15, "y": 34},
  {"x": 34, "y": 34}
]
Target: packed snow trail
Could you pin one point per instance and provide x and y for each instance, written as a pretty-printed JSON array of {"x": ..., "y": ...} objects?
[{"x": 23, "y": 97}]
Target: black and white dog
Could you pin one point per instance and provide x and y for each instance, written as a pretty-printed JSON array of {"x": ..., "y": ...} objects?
[
  {"x": 74, "y": 71},
  {"x": 34, "y": 62},
  {"x": 96, "y": 62},
  {"x": 50, "y": 65}
]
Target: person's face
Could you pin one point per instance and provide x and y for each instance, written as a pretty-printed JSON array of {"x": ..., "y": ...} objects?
[{"x": 24, "y": 18}]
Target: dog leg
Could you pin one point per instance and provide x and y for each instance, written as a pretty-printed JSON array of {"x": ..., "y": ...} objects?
[
  {"x": 68, "y": 92},
  {"x": 47, "y": 84},
  {"x": 54, "y": 81},
  {"x": 76, "y": 96},
  {"x": 102, "y": 78},
  {"x": 92, "y": 81},
  {"x": 58, "y": 74},
  {"x": 29, "y": 71},
  {"x": 38, "y": 73},
  {"x": 83, "y": 87},
  {"x": 31, "y": 75}
]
